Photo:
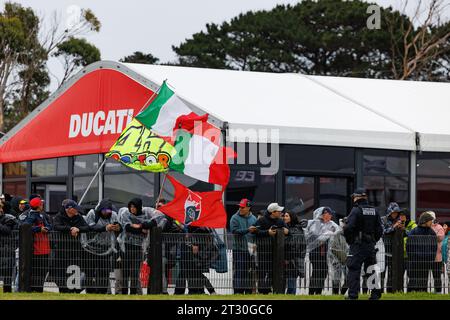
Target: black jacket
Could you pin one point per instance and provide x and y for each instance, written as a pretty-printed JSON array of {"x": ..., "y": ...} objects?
[
  {"x": 7, "y": 224},
  {"x": 264, "y": 223},
  {"x": 421, "y": 244},
  {"x": 138, "y": 204},
  {"x": 63, "y": 223},
  {"x": 365, "y": 220}
]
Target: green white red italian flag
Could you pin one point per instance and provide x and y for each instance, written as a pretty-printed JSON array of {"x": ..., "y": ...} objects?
[
  {"x": 163, "y": 112},
  {"x": 199, "y": 153}
]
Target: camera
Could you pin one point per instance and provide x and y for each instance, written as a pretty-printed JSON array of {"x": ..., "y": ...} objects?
[{"x": 274, "y": 227}]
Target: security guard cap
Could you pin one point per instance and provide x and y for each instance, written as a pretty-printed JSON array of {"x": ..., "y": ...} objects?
[{"x": 360, "y": 192}]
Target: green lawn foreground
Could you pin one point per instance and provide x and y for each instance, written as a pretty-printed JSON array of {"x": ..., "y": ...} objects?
[{"x": 59, "y": 296}]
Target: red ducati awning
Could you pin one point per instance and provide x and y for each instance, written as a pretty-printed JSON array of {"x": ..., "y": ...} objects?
[{"x": 85, "y": 119}]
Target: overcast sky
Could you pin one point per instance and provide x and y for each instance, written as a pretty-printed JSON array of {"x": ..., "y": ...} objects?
[{"x": 153, "y": 26}]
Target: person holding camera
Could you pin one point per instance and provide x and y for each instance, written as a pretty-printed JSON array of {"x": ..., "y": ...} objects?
[
  {"x": 266, "y": 229},
  {"x": 391, "y": 223},
  {"x": 40, "y": 226},
  {"x": 104, "y": 224}
]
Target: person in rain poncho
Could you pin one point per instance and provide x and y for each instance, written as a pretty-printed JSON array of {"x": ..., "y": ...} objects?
[
  {"x": 103, "y": 221},
  {"x": 136, "y": 222},
  {"x": 318, "y": 233}
]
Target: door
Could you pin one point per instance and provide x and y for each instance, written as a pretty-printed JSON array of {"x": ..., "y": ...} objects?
[
  {"x": 335, "y": 193},
  {"x": 304, "y": 194},
  {"x": 53, "y": 194}
]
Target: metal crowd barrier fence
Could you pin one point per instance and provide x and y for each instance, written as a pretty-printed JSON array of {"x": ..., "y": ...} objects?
[
  {"x": 9, "y": 245},
  {"x": 180, "y": 263},
  {"x": 89, "y": 262}
]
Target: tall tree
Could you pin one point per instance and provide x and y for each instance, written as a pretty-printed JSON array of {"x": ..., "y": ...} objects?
[
  {"x": 25, "y": 47},
  {"x": 326, "y": 37},
  {"x": 421, "y": 49},
  {"x": 140, "y": 57}
]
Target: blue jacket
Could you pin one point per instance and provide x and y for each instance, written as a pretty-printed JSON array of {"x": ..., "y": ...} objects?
[
  {"x": 239, "y": 227},
  {"x": 38, "y": 219}
]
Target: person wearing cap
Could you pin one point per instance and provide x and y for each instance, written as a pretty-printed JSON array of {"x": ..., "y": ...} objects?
[
  {"x": 266, "y": 228},
  {"x": 40, "y": 226},
  {"x": 438, "y": 267},
  {"x": 242, "y": 227},
  {"x": 8, "y": 223},
  {"x": 318, "y": 233},
  {"x": 421, "y": 249},
  {"x": 67, "y": 248},
  {"x": 18, "y": 206},
  {"x": 362, "y": 231},
  {"x": 104, "y": 225}
]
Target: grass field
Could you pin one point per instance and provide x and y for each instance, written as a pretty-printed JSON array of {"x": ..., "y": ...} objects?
[{"x": 58, "y": 296}]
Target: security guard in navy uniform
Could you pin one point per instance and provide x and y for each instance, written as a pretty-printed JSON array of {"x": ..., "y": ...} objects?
[{"x": 362, "y": 230}]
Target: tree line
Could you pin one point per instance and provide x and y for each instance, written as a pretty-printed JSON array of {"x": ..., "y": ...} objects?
[{"x": 316, "y": 37}]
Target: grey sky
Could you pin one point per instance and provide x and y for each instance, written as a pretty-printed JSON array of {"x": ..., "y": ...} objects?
[{"x": 153, "y": 26}]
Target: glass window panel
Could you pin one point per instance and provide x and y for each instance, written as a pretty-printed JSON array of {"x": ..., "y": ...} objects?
[
  {"x": 385, "y": 162},
  {"x": 121, "y": 188},
  {"x": 433, "y": 164},
  {"x": 85, "y": 164},
  {"x": 433, "y": 193},
  {"x": 383, "y": 190},
  {"x": 79, "y": 187},
  {"x": 300, "y": 196},
  {"x": 336, "y": 159},
  {"x": 17, "y": 188},
  {"x": 49, "y": 167},
  {"x": 334, "y": 194},
  {"x": 250, "y": 184},
  {"x": 14, "y": 170}
]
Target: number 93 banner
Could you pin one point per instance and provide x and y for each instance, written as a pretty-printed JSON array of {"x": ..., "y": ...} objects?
[{"x": 141, "y": 149}]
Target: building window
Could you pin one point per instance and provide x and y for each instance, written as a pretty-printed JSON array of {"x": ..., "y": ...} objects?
[
  {"x": 249, "y": 183},
  {"x": 87, "y": 164},
  {"x": 14, "y": 170},
  {"x": 300, "y": 193},
  {"x": 15, "y": 188},
  {"x": 50, "y": 167},
  {"x": 79, "y": 187},
  {"x": 386, "y": 177},
  {"x": 319, "y": 158},
  {"x": 121, "y": 188},
  {"x": 433, "y": 183}
]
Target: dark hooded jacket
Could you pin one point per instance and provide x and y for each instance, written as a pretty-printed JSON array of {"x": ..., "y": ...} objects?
[
  {"x": 15, "y": 211},
  {"x": 96, "y": 221},
  {"x": 138, "y": 204},
  {"x": 63, "y": 223}
]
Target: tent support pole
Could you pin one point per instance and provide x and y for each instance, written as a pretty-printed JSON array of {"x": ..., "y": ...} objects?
[{"x": 92, "y": 180}]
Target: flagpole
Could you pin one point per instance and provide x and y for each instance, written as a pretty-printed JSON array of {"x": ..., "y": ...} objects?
[
  {"x": 92, "y": 180},
  {"x": 161, "y": 190}
]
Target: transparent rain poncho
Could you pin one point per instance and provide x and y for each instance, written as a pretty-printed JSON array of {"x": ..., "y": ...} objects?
[{"x": 319, "y": 233}]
